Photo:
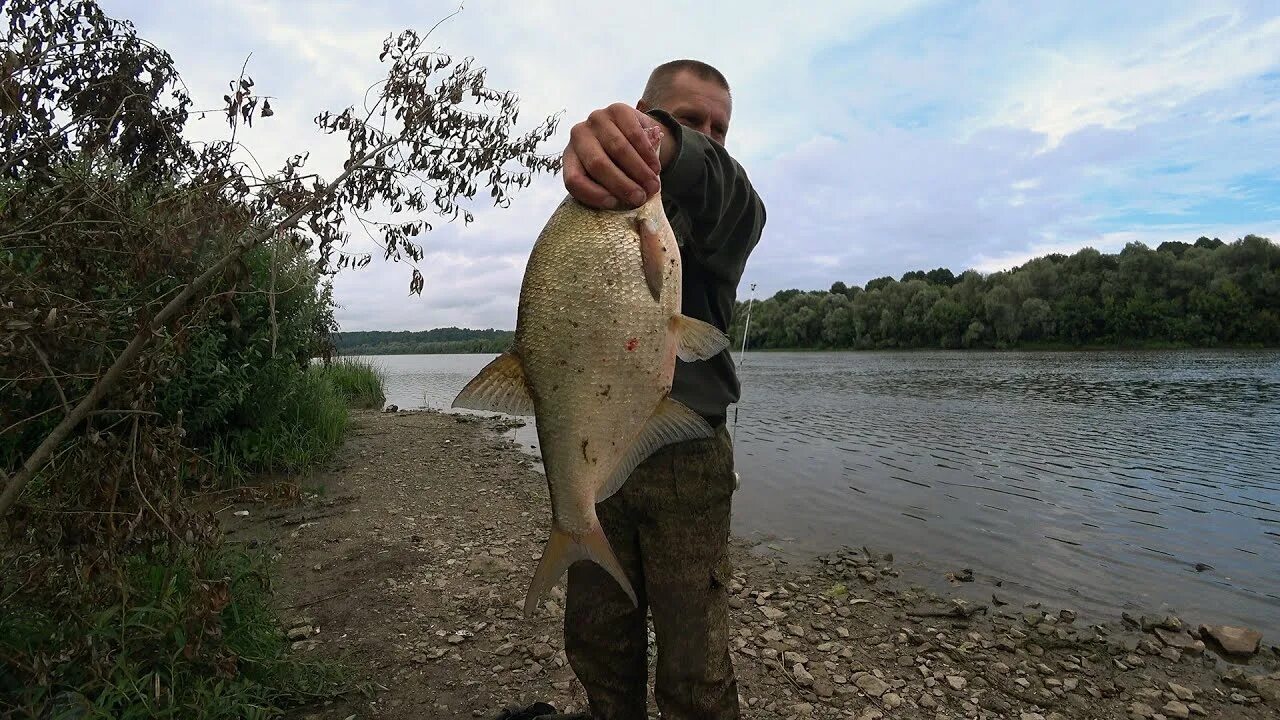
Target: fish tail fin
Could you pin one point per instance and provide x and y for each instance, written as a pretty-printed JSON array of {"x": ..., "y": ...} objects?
[{"x": 563, "y": 550}]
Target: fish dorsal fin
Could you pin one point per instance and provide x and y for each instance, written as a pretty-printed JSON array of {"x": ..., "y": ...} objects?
[
  {"x": 697, "y": 340},
  {"x": 671, "y": 422},
  {"x": 499, "y": 387}
]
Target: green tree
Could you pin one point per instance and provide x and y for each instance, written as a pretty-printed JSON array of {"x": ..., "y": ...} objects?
[{"x": 1206, "y": 293}]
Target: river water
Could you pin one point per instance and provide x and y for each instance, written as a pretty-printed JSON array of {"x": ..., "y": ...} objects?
[{"x": 1101, "y": 481}]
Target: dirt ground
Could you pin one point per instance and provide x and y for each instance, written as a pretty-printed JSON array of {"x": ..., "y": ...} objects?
[{"x": 409, "y": 558}]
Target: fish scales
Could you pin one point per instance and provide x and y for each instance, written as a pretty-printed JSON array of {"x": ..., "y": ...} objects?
[
  {"x": 598, "y": 331},
  {"x": 595, "y": 345}
]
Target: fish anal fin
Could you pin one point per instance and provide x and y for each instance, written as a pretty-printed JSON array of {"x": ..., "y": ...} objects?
[
  {"x": 499, "y": 387},
  {"x": 653, "y": 254},
  {"x": 697, "y": 340},
  {"x": 563, "y": 550},
  {"x": 671, "y": 422}
]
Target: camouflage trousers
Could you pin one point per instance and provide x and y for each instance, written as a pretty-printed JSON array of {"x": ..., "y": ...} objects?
[{"x": 669, "y": 527}]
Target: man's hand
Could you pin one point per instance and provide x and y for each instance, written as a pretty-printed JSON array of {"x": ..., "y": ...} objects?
[{"x": 610, "y": 161}]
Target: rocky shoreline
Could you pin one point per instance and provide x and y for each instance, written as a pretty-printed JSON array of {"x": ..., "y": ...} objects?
[{"x": 408, "y": 559}]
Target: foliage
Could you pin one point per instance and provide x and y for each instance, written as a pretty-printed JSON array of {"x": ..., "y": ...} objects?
[
  {"x": 160, "y": 303},
  {"x": 1209, "y": 293},
  {"x": 439, "y": 340},
  {"x": 421, "y": 147}
]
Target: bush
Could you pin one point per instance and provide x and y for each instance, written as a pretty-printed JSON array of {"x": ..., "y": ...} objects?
[{"x": 160, "y": 302}]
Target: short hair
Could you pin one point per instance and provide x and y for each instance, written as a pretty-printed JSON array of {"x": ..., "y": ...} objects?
[{"x": 660, "y": 78}]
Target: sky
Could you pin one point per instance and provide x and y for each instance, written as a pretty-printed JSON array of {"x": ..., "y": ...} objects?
[{"x": 882, "y": 137}]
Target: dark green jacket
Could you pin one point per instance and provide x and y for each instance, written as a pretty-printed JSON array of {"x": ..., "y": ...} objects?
[{"x": 718, "y": 218}]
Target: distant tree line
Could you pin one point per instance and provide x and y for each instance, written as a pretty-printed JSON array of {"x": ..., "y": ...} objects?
[
  {"x": 1208, "y": 293},
  {"x": 423, "y": 342},
  {"x": 1202, "y": 294}
]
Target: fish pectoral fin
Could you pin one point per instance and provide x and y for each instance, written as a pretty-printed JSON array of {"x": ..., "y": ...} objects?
[
  {"x": 499, "y": 387},
  {"x": 563, "y": 550},
  {"x": 653, "y": 254},
  {"x": 671, "y": 422},
  {"x": 697, "y": 340}
]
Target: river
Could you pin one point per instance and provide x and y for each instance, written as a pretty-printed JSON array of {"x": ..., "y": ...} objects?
[{"x": 1102, "y": 481}]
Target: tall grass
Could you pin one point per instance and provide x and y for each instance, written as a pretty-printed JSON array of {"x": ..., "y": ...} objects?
[
  {"x": 297, "y": 429},
  {"x": 360, "y": 382},
  {"x": 140, "y": 655}
]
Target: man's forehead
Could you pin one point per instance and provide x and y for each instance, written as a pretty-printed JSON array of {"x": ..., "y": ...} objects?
[
  {"x": 687, "y": 86},
  {"x": 686, "y": 81}
]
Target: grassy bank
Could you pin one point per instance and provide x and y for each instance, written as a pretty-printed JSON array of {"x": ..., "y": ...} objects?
[
  {"x": 127, "y": 646},
  {"x": 182, "y": 627}
]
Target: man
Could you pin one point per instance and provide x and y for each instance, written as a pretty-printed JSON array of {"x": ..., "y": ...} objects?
[{"x": 669, "y": 524}]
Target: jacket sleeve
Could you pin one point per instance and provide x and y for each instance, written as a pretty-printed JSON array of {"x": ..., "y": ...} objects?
[{"x": 725, "y": 214}]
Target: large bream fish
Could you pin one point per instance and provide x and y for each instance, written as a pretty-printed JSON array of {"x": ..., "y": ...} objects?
[{"x": 597, "y": 334}]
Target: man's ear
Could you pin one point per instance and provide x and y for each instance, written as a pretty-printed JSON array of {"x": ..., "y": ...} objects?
[{"x": 643, "y": 106}]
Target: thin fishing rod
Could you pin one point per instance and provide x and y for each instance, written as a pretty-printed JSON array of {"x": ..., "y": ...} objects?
[{"x": 742, "y": 356}]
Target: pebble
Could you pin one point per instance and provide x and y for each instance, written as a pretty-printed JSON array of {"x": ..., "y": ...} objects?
[
  {"x": 1176, "y": 709},
  {"x": 772, "y": 613},
  {"x": 1141, "y": 710},
  {"x": 957, "y": 682},
  {"x": 1182, "y": 693},
  {"x": 871, "y": 685},
  {"x": 1234, "y": 640}
]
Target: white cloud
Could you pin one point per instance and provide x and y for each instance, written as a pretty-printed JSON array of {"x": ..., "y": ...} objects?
[
  {"x": 1146, "y": 79},
  {"x": 884, "y": 137}
]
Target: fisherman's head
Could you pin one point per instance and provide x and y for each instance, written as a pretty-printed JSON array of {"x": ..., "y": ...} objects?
[{"x": 696, "y": 94}]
